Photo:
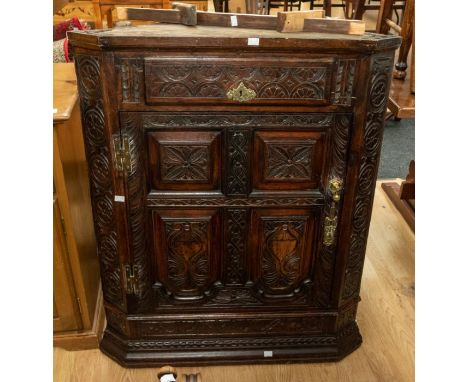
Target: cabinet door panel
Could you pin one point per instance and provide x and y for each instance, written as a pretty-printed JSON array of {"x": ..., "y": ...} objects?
[
  {"x": 288, "y": 160},
  {"x": 282, "y": 249},
  {"x": 186, "y": 161},
  {"x": 186, "y": 251}
]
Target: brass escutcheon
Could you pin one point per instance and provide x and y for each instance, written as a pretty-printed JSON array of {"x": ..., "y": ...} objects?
[{"x": 241, "y": 93}]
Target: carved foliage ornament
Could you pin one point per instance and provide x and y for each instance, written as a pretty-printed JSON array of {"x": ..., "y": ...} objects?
[{"x": 380, "y": 77}]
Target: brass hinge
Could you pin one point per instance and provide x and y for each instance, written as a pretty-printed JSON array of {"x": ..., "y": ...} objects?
[
  {"x": 122, "y": 153},
  {"x": 131, "y": 276}
]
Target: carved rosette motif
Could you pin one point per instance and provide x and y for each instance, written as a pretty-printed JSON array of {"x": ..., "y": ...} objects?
[
  {"x": 344, "y": 82},
  {"x": 381, "y": 68},
  {"x": 326, "y": 260},
  {"x": 184, "y": 163},
  {"x": 136, "y": 207},
  {"x": 289, "y": 161},
  {"x": 100, "y": 174},
  {"x": 237, "y": 178},
  {"x": 131, "y": 74},
  {"x": 236, "y": 245},
  {"x": 191, "y": 80}
]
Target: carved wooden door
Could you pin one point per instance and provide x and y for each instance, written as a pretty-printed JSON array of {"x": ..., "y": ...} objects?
[{"x": 232, "y": 209}]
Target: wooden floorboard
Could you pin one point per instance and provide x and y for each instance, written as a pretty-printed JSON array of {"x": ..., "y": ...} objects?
[{"x": 385, "y": 317}]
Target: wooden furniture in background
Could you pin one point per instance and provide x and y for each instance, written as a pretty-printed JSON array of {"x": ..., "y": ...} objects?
[
  {"x": 402, "y": 99},
  {"x": 78, "y": 310},
  {"x": 403, "y": 196},
  {"x": 385, "y": 23},
  {"x": 385, "y": 316},
  {"x": 231, "y": 224},
  {"x": 104, "y": 8}
]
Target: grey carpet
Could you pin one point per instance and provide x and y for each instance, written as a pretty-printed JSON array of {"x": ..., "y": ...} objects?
[{"x": 397, "y": 149}]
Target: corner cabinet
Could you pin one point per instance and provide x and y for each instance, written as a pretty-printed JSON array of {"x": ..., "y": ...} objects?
[{"x": 232, "y": 188}]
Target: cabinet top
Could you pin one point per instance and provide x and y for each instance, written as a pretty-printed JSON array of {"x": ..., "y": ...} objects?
[{"x": 189, "y": 37}]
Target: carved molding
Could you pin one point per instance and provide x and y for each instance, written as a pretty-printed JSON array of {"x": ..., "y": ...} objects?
[
  {"x": 100, "y": 174},
  {"x": 267, "y": 325},
  {"x": 158, "y": 120},
  {"x": 381, "y": 68},
  {"x": 229, "y": 343},
  {"x": 236, "y": 202}
]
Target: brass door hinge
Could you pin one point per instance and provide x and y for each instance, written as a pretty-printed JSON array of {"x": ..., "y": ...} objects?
[
  {"x": 122, "y": 153},
  {"x": 131, "y": 277}
]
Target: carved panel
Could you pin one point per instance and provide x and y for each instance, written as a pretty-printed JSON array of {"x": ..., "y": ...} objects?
[
  {"x": 238, "y": 152},
  {"x": 187, "y": 252},
  {"x": 313, "y": 200},
  {"x": 131, "y": 79},
  {"x": 381, "y": 68},
  {"x": 291, "y": 160},
  {"x": 344, "y": 82},
  {"x": 282, "y": 247},
  {"x": 236, "y": 234},
  {"x": 100, "y": 173},
  {"x": 209, "y": 79},
  {"x": 185, "y": 160}
]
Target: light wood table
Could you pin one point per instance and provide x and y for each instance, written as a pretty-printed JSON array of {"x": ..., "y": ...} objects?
[
  {"x": 78, "y": 314},
  {"x": 385, "y": 316}
]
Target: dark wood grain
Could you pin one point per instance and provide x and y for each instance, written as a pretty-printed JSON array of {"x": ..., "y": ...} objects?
[{"x": 226, "y": 203}]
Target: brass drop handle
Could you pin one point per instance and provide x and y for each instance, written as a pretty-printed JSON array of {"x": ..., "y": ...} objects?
[
  {"x": 331, "y": 221},
  {"x": 241, "y": 94}
]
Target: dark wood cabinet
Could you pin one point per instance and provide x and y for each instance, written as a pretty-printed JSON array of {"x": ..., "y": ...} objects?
[{"x": 232, "y": 188}]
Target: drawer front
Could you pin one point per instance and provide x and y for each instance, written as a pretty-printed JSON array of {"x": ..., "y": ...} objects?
[{"x": 249, "y": 81}]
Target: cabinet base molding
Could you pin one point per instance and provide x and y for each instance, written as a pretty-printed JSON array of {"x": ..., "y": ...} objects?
[
  {"x": 84, "y": 339},
  {"x": 226, "y": 350}
]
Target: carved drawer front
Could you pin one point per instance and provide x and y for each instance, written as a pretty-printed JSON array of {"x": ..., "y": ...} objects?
[
  {"x": 236, "y": 80},
  {"x": 288, "y": 160},
  {"x": 282, "y": 249},
  {"x": 186, "y": 161},
  {"x": 186, "y": 251}
]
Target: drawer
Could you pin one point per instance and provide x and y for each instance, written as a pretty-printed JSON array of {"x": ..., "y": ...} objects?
[{"x": 237, "y": 81}]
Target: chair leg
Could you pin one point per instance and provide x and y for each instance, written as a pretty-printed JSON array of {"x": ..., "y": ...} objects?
[{"x": 97, "y": 15}]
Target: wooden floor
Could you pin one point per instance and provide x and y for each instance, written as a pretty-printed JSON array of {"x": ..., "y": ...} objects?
[{"x": 385, "y": 317}]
